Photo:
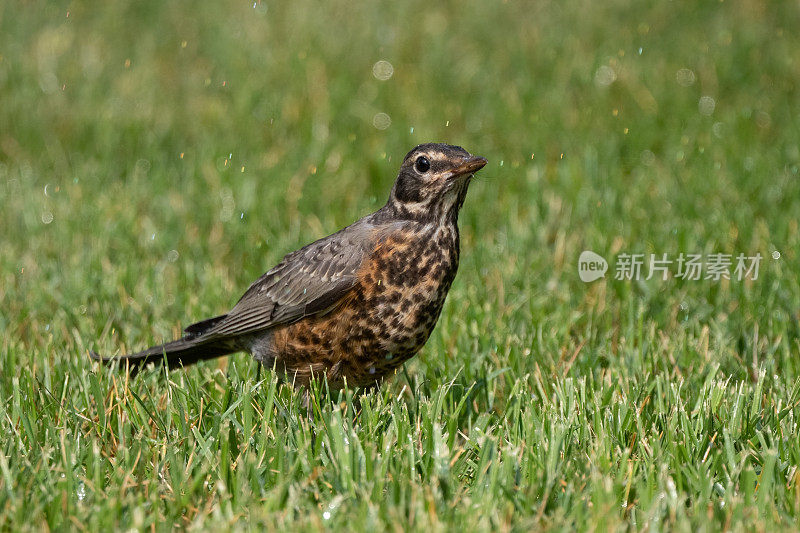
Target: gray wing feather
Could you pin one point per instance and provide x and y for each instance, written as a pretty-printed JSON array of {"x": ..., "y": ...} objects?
[{"x": 306, "y": 282}]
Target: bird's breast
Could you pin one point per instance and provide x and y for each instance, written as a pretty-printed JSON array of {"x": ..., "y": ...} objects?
[{"x": 386, "y": 318}]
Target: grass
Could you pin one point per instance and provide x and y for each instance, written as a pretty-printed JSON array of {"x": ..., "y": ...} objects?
[{"x": 155, "y": 158}]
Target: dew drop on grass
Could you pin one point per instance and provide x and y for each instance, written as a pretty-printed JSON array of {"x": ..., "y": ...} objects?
[
  {"x": 685, "y": 77},
  {"x": 228, "y": 205},
  {"x": 81, "y": 491},
  {"x": 47, "y": 217},
  {"x": 381, "y": 121},
  {"x": 604, "y": 76},
  {"x": 326, "y": 515},
  {"x": 382, "y": 70},
  {"x": 706, "y": 105},
  {"x": 172, "y": 256},
  {"x": 776, "y": 255}
]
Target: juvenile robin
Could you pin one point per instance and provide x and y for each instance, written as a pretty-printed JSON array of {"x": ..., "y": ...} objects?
[{"x": 353, "y": 306}]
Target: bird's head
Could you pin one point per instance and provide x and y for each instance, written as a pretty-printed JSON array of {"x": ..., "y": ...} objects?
[{"x": 433, "y": 181}]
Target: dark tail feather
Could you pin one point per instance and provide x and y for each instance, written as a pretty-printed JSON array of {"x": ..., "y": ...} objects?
[
  {"x": 198, "y": 328},
  {"x": 185, "y": 351}
]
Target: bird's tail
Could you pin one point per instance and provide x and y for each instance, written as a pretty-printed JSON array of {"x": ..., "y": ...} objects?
[{"x": 185, "y": 351}]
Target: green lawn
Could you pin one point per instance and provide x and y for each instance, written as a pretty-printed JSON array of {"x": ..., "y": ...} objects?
[{"x": 157, "y": 157}]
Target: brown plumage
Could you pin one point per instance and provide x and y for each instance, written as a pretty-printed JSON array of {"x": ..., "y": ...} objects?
[{"x": 355, "y": 305}]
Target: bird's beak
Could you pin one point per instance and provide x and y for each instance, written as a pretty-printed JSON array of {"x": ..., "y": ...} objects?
[{"x": 470, "y": 166}]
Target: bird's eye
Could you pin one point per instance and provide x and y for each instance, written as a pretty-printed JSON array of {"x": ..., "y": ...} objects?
[{"x": 422, "y": 164}]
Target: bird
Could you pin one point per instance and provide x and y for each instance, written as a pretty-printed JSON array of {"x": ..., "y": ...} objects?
[{"x": 352, "y": 307}]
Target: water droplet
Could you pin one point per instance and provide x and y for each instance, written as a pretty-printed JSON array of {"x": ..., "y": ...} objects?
[
  {"x": 706, "y": 105},
  {"x": 172, "y": 256},
  {"x": 142, "y": 167},
  {"x": 776, "y": 254},
  {"x": 228, "y": 205},
  {"x": 382, "y": 70},
  {"x": 604, "y": 76},
  {"x": 763, "y": 120},
  {"x": 81, "y": 491},
  {"x": 412, "y": 129},
  {"x": 381, "y": 121},
  {"x": 47, "y": 217},
  {"x": 153, "y": 236},
  {"x": 45, "y": 189},
  {"x": 326, "y": 515},
  {"x": 685, "y": 77}
]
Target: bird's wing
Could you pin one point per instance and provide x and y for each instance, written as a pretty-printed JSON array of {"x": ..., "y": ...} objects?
[{"x": 310, "y": 281}]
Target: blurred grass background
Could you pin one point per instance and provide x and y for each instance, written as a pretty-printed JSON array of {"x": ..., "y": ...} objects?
[{"x": 156, "y": 158}]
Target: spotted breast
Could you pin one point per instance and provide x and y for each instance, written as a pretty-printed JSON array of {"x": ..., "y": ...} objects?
[{"x": 385, "y": 319}]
